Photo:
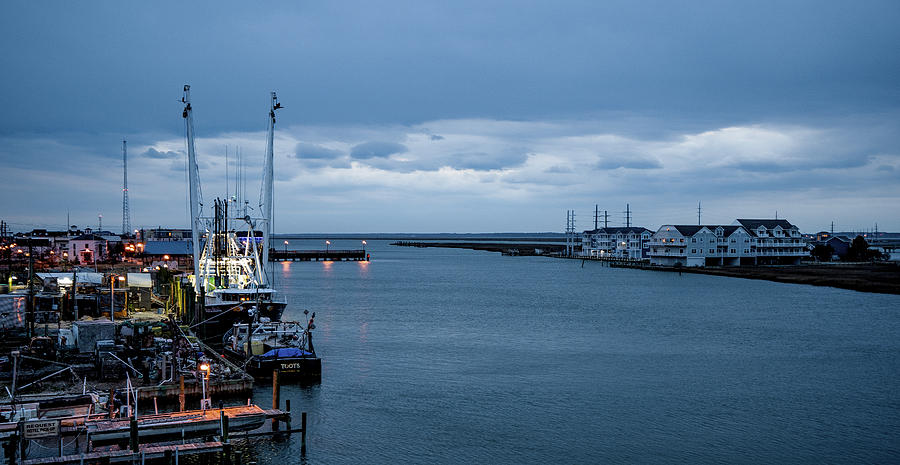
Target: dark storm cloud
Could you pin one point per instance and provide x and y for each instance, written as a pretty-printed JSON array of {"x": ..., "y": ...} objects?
[
  {"x": 377, "y": 149},
  {"x": 721, "y": 61}
]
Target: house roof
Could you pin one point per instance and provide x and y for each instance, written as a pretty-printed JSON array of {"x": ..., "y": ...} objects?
[
  {"x": 88, "y": 237},
  {"x": 619, "y": 230},
  {"x": 768, "y": 224},
  {"x": 168, "y": 248},
  {"x": 688, "y": 230}
]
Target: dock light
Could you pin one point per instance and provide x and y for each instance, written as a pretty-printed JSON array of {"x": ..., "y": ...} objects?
[
  {"x": 285, "y": 246},
  {"x": 204, "y": 402},
  {"x": 166, "y": 257},
  {"x": 327, "y": 243}
]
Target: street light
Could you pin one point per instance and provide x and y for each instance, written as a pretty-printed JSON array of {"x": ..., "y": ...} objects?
[
  {"x": 327, "y": 243},
  {"x": 204, "y": 402},
  {"x": 364, "y": 248},
  {"x": 285, "y": 246}
]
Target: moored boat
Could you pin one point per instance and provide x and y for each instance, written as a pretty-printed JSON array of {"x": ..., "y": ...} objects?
[{"x": 263, "y": 347}]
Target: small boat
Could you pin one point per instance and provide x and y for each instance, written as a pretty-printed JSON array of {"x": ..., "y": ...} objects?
[{"x": 263, "y": 347}]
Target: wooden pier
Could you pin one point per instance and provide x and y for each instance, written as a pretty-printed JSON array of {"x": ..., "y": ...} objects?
[
  {"x": 330, "y": 255},
  {"x": 167, "y": 436}
]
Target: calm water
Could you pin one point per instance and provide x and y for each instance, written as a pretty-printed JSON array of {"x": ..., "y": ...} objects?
[{"x": 455, "y": 356}]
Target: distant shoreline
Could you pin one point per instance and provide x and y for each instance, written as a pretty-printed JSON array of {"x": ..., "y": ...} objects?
[
  {"x": 882, "y": 278},
  {"x": 862, "y": 277}
]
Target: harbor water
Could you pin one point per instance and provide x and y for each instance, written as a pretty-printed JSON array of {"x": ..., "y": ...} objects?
[{"x": 457, "y": 356}]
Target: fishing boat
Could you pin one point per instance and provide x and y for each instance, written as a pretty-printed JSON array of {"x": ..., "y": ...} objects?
[
  {"x": 265, "y": 346},
  {"x": 229, "y": 269}
]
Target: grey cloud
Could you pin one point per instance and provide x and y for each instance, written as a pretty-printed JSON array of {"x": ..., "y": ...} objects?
[
  {"x": 484, "y": 161},
  {"x": 376, "y": 149},
  {"x": 305, "y": 150},
  {"x": 886, "y": 168},
  {"x": 479, "y": 161},
  {"x": 319, "y": 163},
  {"x": 153, "y": 153},
  {"x": 635, "y": 162},
  {"x": 436, "y": 137},
  {"x": 558, "y": 169}
]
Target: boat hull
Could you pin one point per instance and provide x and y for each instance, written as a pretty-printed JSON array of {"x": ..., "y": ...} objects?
[{"x": 289, "y": 368}]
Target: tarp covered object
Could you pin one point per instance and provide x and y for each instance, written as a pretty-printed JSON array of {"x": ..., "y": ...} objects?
[{"x": 286, "y": 352}]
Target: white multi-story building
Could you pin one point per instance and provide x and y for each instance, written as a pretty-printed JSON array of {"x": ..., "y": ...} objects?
[
  {"x": 623, "y": 242},
  {"x": 778, "y": 242},
  {"x": 701, "y": 245},
  {"x": 748, "y": 242}
]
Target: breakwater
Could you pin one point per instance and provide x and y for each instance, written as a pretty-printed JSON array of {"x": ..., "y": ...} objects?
[{"x": 506, "y": 248}]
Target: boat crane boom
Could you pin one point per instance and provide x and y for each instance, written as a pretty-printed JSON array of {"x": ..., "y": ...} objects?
[{"x": 194, "y": 183}]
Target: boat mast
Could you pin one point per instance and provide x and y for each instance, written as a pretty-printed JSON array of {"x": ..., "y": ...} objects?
[
  {"x": 266, "y": 198},
  {"x": 194, "y": 184}
]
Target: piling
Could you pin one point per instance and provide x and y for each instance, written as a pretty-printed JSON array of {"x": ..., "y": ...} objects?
[
  {"x": 303, "y": 430},
  {"x": 226, "y": 453},
  {"x": 225, "y": 428},
  {"x": 111, "y": 403},
  {"x": 134, "y": 435},
  {"x": 287, "y": 407},
  {"x": 181, "y": 393},
  {"x": 276, "y": 397},
  {"x": 238, "y": 457}
]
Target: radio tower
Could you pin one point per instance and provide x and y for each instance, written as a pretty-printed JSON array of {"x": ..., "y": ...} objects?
[{"x": 126, "y": 214}]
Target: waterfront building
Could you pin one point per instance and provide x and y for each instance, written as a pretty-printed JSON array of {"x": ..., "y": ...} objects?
[
  {"x": 87, "y": 249},
  {"x": 166, "y": 234},
  {"x": 778, "y": 242},
  {"x": 169, "y": 254},
  {"x": 701, "y": 245},
  {"x": 621, "y": 242},
  {"x": 747, "y": 242}
]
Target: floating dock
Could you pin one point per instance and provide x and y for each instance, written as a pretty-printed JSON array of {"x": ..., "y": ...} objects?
[{"x": 359, "y": 255}]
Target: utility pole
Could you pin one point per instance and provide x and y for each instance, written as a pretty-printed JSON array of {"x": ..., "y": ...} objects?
[
  {"x": 698, "y": 213},
  {"x": 627, "y": 215},
  {"x": 605, "y": 218},
  {"x": 570, "y": 233},
  {"x": 126, "y": 213},
  {"x": 30, "y": 317},
  {"x": 596, "y": 215}
]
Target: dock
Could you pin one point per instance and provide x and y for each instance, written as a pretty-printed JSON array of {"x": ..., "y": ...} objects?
[
  {"x": 331, "y": 255},
  {"x": 167, "y": 436}
]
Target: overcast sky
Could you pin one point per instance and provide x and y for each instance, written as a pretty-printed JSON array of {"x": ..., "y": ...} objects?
[{"x": 457, "y": 116}]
